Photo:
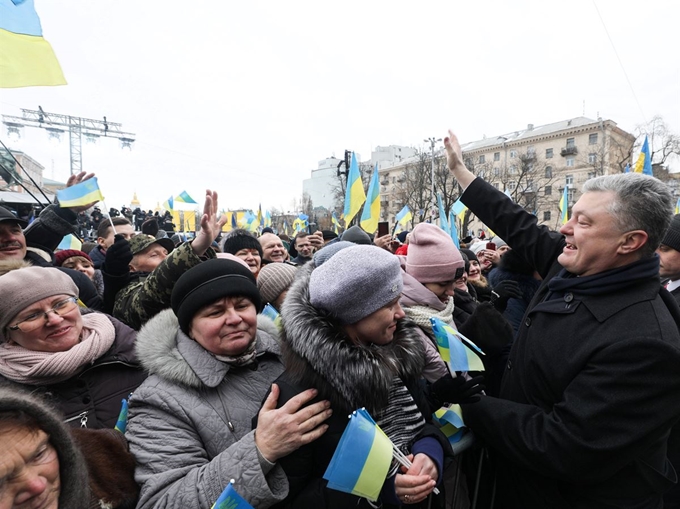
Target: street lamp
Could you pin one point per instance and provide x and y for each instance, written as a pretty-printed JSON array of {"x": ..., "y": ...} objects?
[{"x": 432, "y": 142}]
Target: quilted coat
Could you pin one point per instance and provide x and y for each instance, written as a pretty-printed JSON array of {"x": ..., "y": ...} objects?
[{"x": 190, "y": 422}]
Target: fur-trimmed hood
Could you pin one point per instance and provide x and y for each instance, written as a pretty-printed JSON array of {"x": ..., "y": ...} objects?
[
  {"x": 317, "y": 353},
  {"x": 164, "y": 350}
]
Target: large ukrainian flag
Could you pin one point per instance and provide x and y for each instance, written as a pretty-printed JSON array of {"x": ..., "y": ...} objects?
[
  {"x": 362, "y": 459},
  {"x": 26, "y": 58},
  {"x": 371, "y": 214}
]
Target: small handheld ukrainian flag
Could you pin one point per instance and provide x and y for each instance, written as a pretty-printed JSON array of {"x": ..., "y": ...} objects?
[
  {"x": 81, "y": 194},
  {"x": 184, "y": 197},
  {"x": 270, "y": 312},
  {"x": 336, "y": 223},
  {"x": 404, "y": 216},
  {"x": 121, "y": 423},
  {"x": 70, "y": 241},
  {"x": 230, "y": 499},
  {"x": 362, "y": 459},
  {"x": 461, "y": 355}
]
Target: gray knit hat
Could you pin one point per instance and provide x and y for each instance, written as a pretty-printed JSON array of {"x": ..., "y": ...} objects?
[
  {"x": 72, "y": 470},
  {"x": 356, "y": 235},
  {"x": 355, "y": 282},
  {"x": 23, "y": 287},
  {"x": 322, "y": 256},
  {"x": 274, "y": 279},
  {"x": 672, "y": 238}
]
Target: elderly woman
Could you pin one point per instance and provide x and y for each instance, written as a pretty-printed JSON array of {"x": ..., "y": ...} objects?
[
  {"x": 211, "y": 360},
  {"x": 345, "y": 336},
  {"x": 40, "y": 466},
  {"x": 84, "y": 363}
]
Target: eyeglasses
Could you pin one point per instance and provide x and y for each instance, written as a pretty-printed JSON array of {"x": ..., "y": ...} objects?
[{"x": 33, "y": 321}]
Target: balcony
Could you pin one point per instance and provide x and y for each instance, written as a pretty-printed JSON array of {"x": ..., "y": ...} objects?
[{"x": 568, "y": 151}]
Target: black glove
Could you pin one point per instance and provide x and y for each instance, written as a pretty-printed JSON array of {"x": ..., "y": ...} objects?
[
  {"x": 118, "y": 257},
  {"x": 458, "y": 390},
  {"x": 503, "y": 292}
]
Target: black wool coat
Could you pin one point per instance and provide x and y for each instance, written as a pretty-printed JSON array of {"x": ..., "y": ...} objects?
[{"x": 591, "y": 388}]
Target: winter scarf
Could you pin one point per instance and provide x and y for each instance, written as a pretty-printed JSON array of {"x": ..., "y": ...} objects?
[
  {"x": 421, "y": 315},
  {"x": 243, "y": 359},
  {"x": 607, "y": 282},
  {"x": 40, "y": 368}
]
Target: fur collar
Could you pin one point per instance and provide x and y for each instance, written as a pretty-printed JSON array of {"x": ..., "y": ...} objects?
[
  {"x": 165, "y": 351},
  {"x": 317, "y": 353}
]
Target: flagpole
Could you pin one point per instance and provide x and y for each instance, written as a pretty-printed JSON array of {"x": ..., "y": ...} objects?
[{"x": 109, "y": 216}]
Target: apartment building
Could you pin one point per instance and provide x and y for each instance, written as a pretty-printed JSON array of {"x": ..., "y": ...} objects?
[{"x": 533, "y": 165}]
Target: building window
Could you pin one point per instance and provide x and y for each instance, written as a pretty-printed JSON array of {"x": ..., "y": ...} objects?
[
  {"x": 547, "y": 190},
  {"x": 481, "y": 159},
  {"x": 546, "y": 215},
  {"x": 497, "y": 185},
  {"x": 570, "y": 195},
  {"x": 512, "y": 185},
  {"x": 512, "y": 170},
  {"x": 570, "y": 180},
  {"x": 496, "y": 156},
  {"x": 571, "y": 143},
  {"x": 592, "y": 139},
  {"x": 530, "y": 186},
  {"x": 531, "y": 150},
  {"x": 394, "y": 180},
  {"x": 548, "y": 172},
  {"x": 591, "y": 175},
  {"x": 513, "y": 153},
  {"x": 592, "y": 158},
  {"x": 548, "y": 153},
  {"x": 570, "y": 162},
  {"x": 496, "y": 172}
]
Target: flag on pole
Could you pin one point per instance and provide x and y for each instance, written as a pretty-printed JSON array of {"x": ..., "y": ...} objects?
[
  {"x": 230, "y": 499},
  {"x": 260, "y": 217},
  {"x": 167, "y": 205},
  {"x": 267, "y": 219},
  {"x": 121, "y": 423},
  {"x": 456, "y": 350},
  {"x": 371, "y": 214},
  {"x": 362, "y": 459},
  {"x": 184, "y": 198},
  {"x": 644, "y": 162},
  {"x": 443, "y": 223},
  {"x": 454, "y": 230},
  {"x": 452, "y": 414},
  {"x": 336, "y": 223},
  {"x": 300, "y": 223},
  {"x": 459, "y": 209},
  {"x": 355, "y": 195},
  {"x": 404, "y": 216},
  {"x": 70, "y": 241},
  {"x": 564, "y": 205},
  {"x": 26, "y": 58},
  {"x": 81, "y": 194}
]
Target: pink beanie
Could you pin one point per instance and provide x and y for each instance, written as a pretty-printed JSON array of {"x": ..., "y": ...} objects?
[{"x": 432, "y": 256}]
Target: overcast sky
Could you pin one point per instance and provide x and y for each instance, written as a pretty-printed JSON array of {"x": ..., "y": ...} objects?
[{"x": 247, "y": 97}]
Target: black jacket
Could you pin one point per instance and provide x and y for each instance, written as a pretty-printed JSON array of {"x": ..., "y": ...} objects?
[{"x": 591, "y": 387}]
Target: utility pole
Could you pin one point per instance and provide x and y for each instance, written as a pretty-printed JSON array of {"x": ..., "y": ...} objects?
[
  {"x": 55, "y": 124},
  {"x": 432, "y": 142}
]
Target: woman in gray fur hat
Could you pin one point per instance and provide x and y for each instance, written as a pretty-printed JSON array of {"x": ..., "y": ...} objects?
[{"x": 344, "y": 335}]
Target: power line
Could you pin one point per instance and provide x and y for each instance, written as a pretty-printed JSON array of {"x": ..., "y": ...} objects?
[{"x": 620, "y": 63}]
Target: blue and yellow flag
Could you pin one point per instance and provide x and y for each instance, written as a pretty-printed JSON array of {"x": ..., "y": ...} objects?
[
  {"x": 70, "y": 241},
  {"x": 270, "y": 312},
  {"x": 371, "y": 214},
  {"x": 267, "y": 219},
  {"x": 167, "y": 205},
  {"x": 644, "y": 162},
  {"x": 249, "y": 222},
  {"x": 336, "y": 223},
  {"x": 456, "y": 350},
  {"x": 184, "y": 197},
  {"x": 354, "y": 195},
  {"x": 300, "y": 223},
  {"x": 362, "y": 459},
  {"x": 443, "y": 223},
  {"x": 121, "y": 423},
  {"x": 230, "y": 499},
  {"x": 677, "y": 207},
  {"x": 404, "y": 216},
  {"x": 459, "y": 209},
  {"x": 564, "y": 206},
  {"x": 26, "y": 58},
  {"x": 81, "y": 194},
  {"x": 260, "y": 217}
]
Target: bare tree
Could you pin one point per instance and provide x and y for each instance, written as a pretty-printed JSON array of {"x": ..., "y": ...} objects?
[
  {"x": 414, "y": 186},
  {"x": 663, "y": 144}
]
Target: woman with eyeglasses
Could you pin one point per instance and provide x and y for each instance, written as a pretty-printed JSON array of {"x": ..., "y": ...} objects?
[{"x": 84, "y": 363}]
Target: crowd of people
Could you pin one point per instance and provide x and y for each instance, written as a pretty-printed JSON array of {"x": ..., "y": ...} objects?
[{"x": 237, "y": 357}]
